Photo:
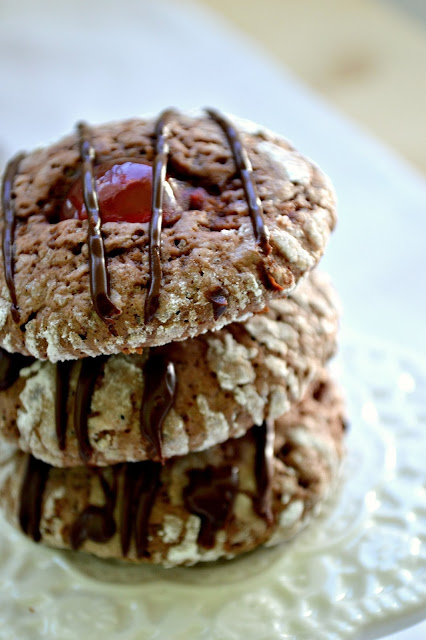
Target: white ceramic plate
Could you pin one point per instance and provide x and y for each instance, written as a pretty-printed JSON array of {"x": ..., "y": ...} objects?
[{"x": 360, "y": 568}]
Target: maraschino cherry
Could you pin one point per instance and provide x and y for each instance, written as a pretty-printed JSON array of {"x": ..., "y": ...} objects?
[{"x": 124, "y": 193}]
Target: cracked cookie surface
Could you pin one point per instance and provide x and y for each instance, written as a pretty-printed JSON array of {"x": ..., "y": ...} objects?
[
  {"x": 227, "y": 381},
  {"x": 181, "y": 527},
  {"x": 206, "y": 248}
]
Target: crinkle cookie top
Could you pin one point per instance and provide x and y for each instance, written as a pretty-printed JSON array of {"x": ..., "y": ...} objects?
[
  {"x": 208, "y": 505},
  {"x": 215, "y": 259},
  {"x": 225, "y": 381}
]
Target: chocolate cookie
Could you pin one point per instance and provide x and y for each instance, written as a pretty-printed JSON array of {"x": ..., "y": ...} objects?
[
  {"x": 145, "y": 232},
  {"x": 218, "y": 503},
  {"x": 181, "y": 397}
]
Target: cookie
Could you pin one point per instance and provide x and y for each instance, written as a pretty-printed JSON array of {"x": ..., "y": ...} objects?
[
  {"x": 181, "y": 397},
  {"x": 148, "y": 231},
  {"x": 214, "y": 504}
]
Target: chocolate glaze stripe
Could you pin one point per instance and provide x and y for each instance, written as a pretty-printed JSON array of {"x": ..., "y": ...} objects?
[
  {"x": 63, "y": 372},
  {"x": 99, "y": 279},
  {"x": 155, "y": 224},
  {"x": 158, "y": 398},
  {"x": 96, "y": 522},
  {"x": 31, "y": 498},
  {"x": 145, "y": 501},
  {"x": 8, "y": 240},
  {"x": 245, "y": 171},
  {"x": 264, "y": 437},
  {"x": 90, "y": 369},
  {"x": 141, "y": 482},
  {"x": 210, "y": 494}
]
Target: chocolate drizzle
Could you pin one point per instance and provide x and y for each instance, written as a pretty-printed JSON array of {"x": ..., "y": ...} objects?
[
  {"x": 158, "y": 397},
  {"x": 63, "y": 371},
  {"x": 8, "y": 240},
  {"x": 99, "y": 279},
  {"x": 245, "y": 171},
  {"x": 141, "y": 482},
  {"x": 96, "y": 522},
  {"x": 155, "y": 224},
  {"x": 90, "y": 369},
  {"x": 210, "y": 494},
  {"x": 264, "y": 438},
  {"x": 10, "y": 366},
  {"x": 31, "y": 498}
]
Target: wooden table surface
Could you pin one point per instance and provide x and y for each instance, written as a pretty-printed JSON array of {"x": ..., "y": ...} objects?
[{"x": 365, "y": 56}]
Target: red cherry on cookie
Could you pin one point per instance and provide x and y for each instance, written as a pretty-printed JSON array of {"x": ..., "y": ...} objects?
[
  {"x": 124, "y": 193},
  {"x": 197, "y": 198}
]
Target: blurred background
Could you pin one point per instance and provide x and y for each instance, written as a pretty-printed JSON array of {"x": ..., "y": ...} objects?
[
  {"x": 343, "y": 79},
  {"x": 368, "y": 57}
]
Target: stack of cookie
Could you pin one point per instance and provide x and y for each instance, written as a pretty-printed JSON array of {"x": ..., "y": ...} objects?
[{"x": 163, "y": 396}]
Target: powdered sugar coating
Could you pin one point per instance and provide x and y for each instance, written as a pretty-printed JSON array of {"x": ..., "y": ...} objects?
[
  {"x": 205, "y": 249},
  {"x": 308, "y": 450}
]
